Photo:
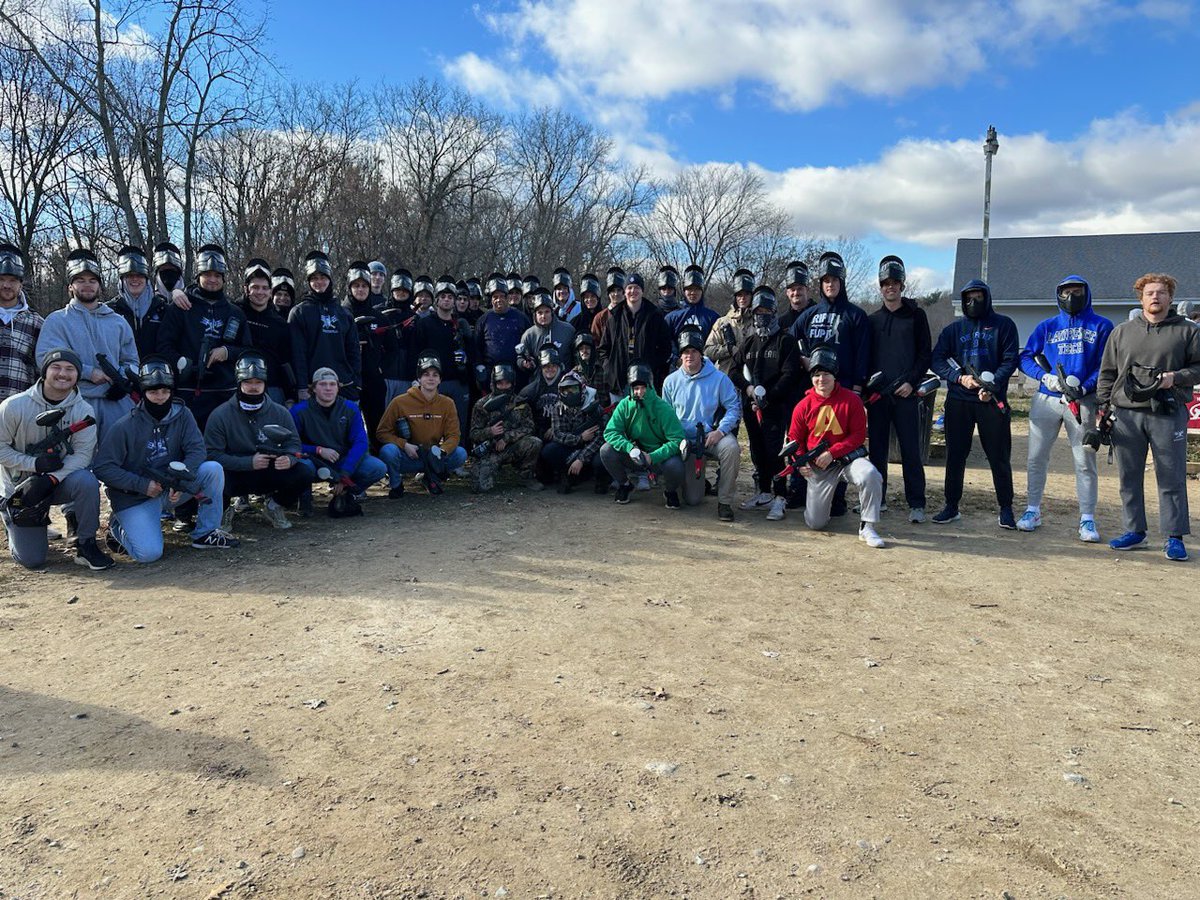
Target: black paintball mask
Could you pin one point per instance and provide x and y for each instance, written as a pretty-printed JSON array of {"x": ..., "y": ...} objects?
[
  {"x": 1071, "y": 297},
  {"x": 503, "y": 372},
  {"x": 974, "y": 304},
  {"x": 570, "y": 392}
]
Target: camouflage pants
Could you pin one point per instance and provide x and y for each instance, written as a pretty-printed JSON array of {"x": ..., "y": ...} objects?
[{"x": 521, "y": 455}]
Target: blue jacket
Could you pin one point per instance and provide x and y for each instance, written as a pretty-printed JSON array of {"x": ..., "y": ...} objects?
[
  {"x": 697, "y": 398},
  {"x": 840, "y": 325},
  {"x": 699, "y": 316},
  {"x": 1075, "y": 341},
  {"x": 988, "y": 343},
  {"x": 340, "y": 429}
]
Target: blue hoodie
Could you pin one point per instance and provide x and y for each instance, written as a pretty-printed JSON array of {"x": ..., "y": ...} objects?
[
  {"x": 988, "y": 343},
  {"x": 1075, "y": 341},
  {"x": 696, "y": 398}
]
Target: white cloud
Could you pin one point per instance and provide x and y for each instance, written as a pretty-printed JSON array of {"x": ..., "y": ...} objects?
[
  {"x": 806, "y": 54},
  {"x": 1123, "y": 175}
]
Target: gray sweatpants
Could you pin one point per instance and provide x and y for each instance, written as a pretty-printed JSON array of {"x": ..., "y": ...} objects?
[
  {"x": 824, "y": 482},
  {"x": 729, "y": 457},
  {"x": 1135, "y": 431},
  {"x": 29, "y": 546},
  {"x": 1047, "y": 416}
]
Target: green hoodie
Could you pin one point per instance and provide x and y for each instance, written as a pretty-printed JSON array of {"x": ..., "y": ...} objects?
[{"x": 650, "y": 424}]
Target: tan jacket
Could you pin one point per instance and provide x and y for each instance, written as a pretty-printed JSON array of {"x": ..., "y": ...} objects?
[{"x": 431, "y": 422}]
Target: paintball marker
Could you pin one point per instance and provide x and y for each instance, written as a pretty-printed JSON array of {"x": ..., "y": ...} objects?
[
  {"x": 987, "y": 383},
  {"x": 760, "y": 392},
  {"x": 524, "y": 355},
  {"x": 209, "y": 343},
  {"x": 124, "y": 383},
  {"x": 1068, "y": 385},
  {"x": 57, "y": 440},
  {"x": 928, "y": 386},
  {"x": 433, "y": 461},
  {"x": 177, "y": 477},
  {"x": 873, "y": 389},
  {"x": 497, "y": 405},
  {"x": 278, "y": 435},
  {"x": 696, "y": 448},
  {"x": 796, "y": 460},
  {"x": 1102, "y": 433}
]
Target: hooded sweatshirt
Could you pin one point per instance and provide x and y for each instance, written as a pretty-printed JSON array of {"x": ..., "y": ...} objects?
[
  {"x": 19, "y": 330},
  {"x": 649, "y": 424},
  {"x": 323, "y": 335},
  {"x": 708, "y": 398},
  {"x": 841, "y": 325},
  {"x": 88, "y": 332},
  {"x": 1172, "y": 345},
  {"x": 183, "y": 331},
  {"x": 138, "y": 441},
  {"x": 1075, "y": 341},
  {"x": 270, "y": 335},
  {"x": 901, "y": 346},
  {"x": 431, "y": 422},
  {"x": 988, "y": 343},
  {"x": 696, "y": 316},
  {"x": 839, "y": 418},
  {"x": 18, "y": 431},
  {"x": 558, "y": 334}
]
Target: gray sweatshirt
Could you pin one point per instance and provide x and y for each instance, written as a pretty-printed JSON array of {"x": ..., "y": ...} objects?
[
  {"x": 88, "y": 332},
  {"x": 1172, "y": 345},
  {"x": 232, "y": 433},
  {"x": 17, "y": 431},
  {"x": 136, "y": 441}
]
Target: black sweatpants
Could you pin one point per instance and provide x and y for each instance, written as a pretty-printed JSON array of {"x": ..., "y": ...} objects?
[
  {"x": 995, "y": 435},
  {"x": 905, "y": 414},
  {"x": 766, "y": 440}
]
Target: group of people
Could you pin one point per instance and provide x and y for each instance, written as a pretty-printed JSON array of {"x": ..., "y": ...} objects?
[{"x": 184, "y": 404}]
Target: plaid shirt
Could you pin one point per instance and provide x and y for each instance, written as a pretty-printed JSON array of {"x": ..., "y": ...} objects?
[{"x": 18, "y": 368}]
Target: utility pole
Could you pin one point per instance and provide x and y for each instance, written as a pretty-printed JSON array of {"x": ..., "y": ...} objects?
[{"x": 990, "y": 147}]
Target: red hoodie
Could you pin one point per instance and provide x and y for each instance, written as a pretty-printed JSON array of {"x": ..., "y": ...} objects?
[{"x": 840, "y": 419}]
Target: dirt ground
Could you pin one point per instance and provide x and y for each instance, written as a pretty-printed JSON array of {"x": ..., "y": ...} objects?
[{"x": 543, "y": 696}]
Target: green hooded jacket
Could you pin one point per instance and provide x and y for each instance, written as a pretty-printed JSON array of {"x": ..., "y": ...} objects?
[{"x": 650, "y": 424}]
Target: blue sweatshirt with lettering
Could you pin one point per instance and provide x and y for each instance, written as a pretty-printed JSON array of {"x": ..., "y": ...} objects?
[{"x": 1075, "y": 341}]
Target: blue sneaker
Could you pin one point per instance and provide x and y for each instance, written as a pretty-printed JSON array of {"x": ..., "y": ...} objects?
[
  {"x": 1088, "y": 532},
  {"x": 1030, "y": 521},
  {"x": 1174, "y": 550},
  {"x": 1128, "y": 540}
]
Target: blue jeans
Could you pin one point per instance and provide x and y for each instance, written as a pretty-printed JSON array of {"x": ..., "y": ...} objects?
[
  {"x": 398, "y": 463},
  {"x": 369, "y": 471},
  {"x": 139, "y": 528}
]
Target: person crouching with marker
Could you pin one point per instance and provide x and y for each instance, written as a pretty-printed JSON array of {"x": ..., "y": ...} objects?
[{"x": 835, "y": 415}]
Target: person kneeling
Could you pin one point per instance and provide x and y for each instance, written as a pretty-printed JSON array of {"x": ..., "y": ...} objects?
[
  {"x": 835, "y": 416},
  {"x": 419, "y": 432},
  {"x": 254, "y": 463},
  {"x": 139, "y": 465},
  {"x": 502, "y": 432},
  {"x": 576, "y": 433},
  {"x": 643, "y": 438},
  {"x": 333, "y": 436}
]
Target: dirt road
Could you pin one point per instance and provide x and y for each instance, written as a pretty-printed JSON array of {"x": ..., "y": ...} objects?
[{"x": 533, "y": 695}]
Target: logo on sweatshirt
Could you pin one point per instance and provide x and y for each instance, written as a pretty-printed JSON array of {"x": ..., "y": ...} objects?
[
  {"x": 329, "y": 323},
  {"x": 827, "y": 423},
  {"x": 212, "y": 327},
  {"x": 156, "y": 448}
]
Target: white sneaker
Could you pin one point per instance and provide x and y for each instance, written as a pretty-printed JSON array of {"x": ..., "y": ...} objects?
[
  {"x": 778, "y": 509},
  {"x": 758, "y": 501},
  {"x": 275, "y": 515},
  {"x": 917, "y": 515},
  {"x": 1031, "y": 521},
  {"x": 1088, "y": 533},
  {"x": 868, "y": 534}
]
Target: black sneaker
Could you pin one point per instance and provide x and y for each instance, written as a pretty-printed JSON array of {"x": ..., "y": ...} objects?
[
  {"x": 397, "y": 492},
  {"x": 724, "y": 512},
  {"x": 90, "y": 555},
  {"x": 623, "y": 492},
  {"x": 948, "y": 514},
  {"x": 215, "y": 540},
  {"x": 305, "y": 506},
  {"x": 1006, "y": 518},
  {"x": 672, "y": 498},
  {"x": 113, "y": 545}
]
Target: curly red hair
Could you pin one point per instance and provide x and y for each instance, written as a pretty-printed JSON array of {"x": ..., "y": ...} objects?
[{"x": 1140, "y": 284}]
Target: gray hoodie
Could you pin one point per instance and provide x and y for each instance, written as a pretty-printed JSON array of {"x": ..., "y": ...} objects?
[
  {"x": 136, "y": 441},
  {"x": 1172, "y": 345},
  {"x": 88, "y": 332},
  {"x": 17, "y": 431},
  {"x": 232, "y": 433}
]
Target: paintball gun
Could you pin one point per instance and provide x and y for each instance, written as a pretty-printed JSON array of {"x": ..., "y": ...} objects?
[
  {"x": 177, "y": 477},
  {"x": 497, "y": 406},
  {"x": 928, "y": 386},
  {"x": 124, "y": 383},
  {"x": 760, "y": 392},
  {"x": 1072, "y": 393},
  {"x": 695, "y": 446},
  {"x": 57, "y": 440},
  {"x": 796, "y": 460},
  {"x": 278, "y": 435},
  {"x": 873, "y": 390},
  {"x": 525, "y": 355},
  {"x": 987, "y": 383},
  {"x": 1102, "y": 433},
  {"x": 209, "y": 343}
]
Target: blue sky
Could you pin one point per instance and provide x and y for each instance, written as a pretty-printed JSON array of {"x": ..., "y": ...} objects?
[{"x": 865, "y": 117}]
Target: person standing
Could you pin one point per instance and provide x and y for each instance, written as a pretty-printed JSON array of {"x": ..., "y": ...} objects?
[
  {"x": 730, "y": 331},
  {"x": 796, "y": 285},
  {"x": 1074, "y": 339},
  {"x": 269, "y": 331},
  {"x": 635, "y": 332},
  {"x": 987, "y": 342},
  {"x": 447, "y": 337},
  {"x": 693, "y": 314},
  {"x": 1149, "y": 367},
  {"x": 136, "y": 301},
  {"x": 901, "y": 348},
  {"x": 371, "y": 329},
  {"x": 20, "y": 326},
  {"x": 89, "y": 328},
  {"x": 323, "y": 332}
]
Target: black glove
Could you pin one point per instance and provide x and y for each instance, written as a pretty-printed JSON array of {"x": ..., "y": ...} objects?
[
  {"x": 47, "y": 462},
  {"x": 115, "y": 392}
]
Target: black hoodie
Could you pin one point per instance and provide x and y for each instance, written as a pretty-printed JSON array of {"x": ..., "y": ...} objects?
[
  {"x": 901, "y": 346},
  {"x": 183, "y": 330},
  {"x": 323, "y": 334}
]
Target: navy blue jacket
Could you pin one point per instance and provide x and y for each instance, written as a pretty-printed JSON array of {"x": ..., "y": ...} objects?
[
  {"x": 840, "y": 325},
  {"x": 988, "y": 343}
]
